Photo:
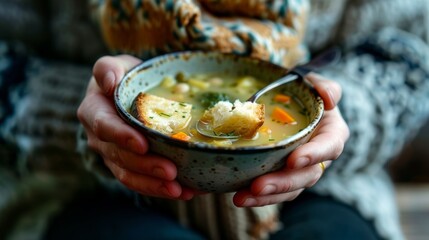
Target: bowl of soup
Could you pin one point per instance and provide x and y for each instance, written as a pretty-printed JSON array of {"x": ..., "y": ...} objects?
[{"x": 188, "y": 84}]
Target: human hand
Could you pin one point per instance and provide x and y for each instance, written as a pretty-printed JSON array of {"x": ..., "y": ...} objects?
[
  {"x": 303, "y": 168},
  {"x": 124, "y": 149}
]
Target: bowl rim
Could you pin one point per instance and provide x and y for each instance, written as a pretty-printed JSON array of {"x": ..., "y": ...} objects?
[{"x": 130, "y": 119}]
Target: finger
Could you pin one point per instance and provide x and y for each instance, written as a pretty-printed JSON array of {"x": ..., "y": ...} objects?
[
  {"x": 329, "y": 90},
  {"x": 145, "y": 185},
  {"x": 149, "y": 164},
  {"x": 98, "y": 116},
  {"x": 109, "y": 70},
  {"x": 327, "y": 144},
  {"x": 246, "y": 199},
  {"x": 287, "y": 180},
  {"x": 188, "y": 194}
]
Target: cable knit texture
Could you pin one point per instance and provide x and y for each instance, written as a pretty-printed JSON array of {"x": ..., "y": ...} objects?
[
  {"x": 267, "y": 30},
  {"x": 384, "y": 74}
]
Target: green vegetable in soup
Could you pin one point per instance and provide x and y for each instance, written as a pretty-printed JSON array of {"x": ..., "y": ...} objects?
[{"x": 209, "y": 99}]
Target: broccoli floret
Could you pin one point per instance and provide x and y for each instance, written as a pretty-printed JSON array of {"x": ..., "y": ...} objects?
[{"x": 209, "y": 99}]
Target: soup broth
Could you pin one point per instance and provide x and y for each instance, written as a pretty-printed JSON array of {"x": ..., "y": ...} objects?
[{"x": 204, "y": 90}]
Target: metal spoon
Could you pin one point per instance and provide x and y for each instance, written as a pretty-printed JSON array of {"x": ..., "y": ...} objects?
[{"x": 324, "y": 59}]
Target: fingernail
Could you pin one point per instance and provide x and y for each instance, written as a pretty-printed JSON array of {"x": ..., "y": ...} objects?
[
  {"x": 159, "y": 172},
  {"x": 164, "y": 190},
  {"x": 301, "y": 162},
  {"x": 134, "y": 146},
  {"x": 331, "y": 96},
  {"x": 268, "y": 189},
  {"x": 249, "y": 202},
  {"x": 170, "y": 189},
  {"x": 108, "y": 81}
]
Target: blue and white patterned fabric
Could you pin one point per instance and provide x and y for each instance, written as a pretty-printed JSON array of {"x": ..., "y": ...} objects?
[
  {"x": 269, "y": 30},
  {"x": 385, "y": 83},
  {"x": 12, "y": 80}
]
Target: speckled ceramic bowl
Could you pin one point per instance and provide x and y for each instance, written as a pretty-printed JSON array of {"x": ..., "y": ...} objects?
[{"x": 202, "y": 166}]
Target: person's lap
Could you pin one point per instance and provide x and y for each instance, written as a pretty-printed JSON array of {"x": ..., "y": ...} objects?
[
  {"x": 108, "y": 217},
  {"x": 310, "y": 216}
]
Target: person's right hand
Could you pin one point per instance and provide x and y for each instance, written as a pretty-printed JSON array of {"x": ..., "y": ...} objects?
[{"x": 124, "y": 149}]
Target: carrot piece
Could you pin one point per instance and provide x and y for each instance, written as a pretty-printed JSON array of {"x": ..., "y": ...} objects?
[
  {"x": 181, "y": 136},
  {"x": 281, "y": 98},
  {"x": 282, "y": 116}
]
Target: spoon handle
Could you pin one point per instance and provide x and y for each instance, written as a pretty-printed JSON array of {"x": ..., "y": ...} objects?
[
  {"x": 283, "y": 80},
  {"x": 326, "y": 58}
]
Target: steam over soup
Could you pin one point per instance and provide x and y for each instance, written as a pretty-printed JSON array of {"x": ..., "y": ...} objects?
[{"x": 178, "y": 102}]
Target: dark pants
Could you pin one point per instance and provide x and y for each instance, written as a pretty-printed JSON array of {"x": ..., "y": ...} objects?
[{"x": 310, "y": 216}]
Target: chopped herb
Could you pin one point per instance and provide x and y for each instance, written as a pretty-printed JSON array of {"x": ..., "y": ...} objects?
[
  {"x": 183, "y": 104},
  {"x": 209, "y": 99},
  {"x": 224, "y": 134},
  {"x": 304, "y": 112},
  {"x": 165, "y": 114},
  {"x": 271, "y": 139}
]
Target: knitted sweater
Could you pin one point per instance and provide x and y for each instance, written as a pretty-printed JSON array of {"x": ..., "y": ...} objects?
[{"x": 384, "y": 76}]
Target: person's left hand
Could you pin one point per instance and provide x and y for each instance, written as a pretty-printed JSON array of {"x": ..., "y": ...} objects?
[{"x": 305, "y": 165}]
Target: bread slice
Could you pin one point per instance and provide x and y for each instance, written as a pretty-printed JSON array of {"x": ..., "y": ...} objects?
[
  {"x": 238, "y": 118},
  {"x": 161, "y": 114}
]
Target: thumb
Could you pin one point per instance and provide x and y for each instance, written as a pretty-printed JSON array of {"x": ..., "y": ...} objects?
[
  {"x": 329, "y": 90},
  {"x": 109, "y": 70}
]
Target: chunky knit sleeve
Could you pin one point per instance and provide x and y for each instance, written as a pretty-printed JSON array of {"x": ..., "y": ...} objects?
[
  {"x": 385, "y": 79},
  {"x": 362, "y": 18},
  {"x": 385, "y": 82}
]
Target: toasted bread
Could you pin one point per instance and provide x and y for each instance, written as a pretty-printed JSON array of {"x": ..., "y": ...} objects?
[
  {"x": 238, "y": 118},
  {"x": 161, "y": 114}
]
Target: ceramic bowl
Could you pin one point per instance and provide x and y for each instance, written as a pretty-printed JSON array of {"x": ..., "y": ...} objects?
[{"x": 206, "y": 167}]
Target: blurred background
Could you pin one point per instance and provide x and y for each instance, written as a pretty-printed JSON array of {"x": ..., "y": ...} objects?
[{"x": 410, "y": 172}]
